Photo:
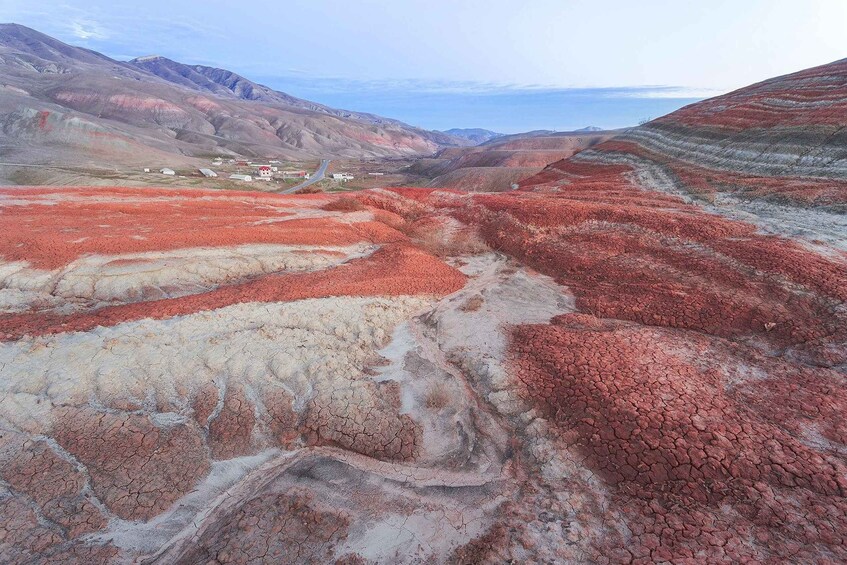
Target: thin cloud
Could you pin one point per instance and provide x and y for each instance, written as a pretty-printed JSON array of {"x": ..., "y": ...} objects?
[
  {"x": 87, "y": 29},
  {"x": 469, "y": 88},
  {"x": 673, "y": 92}
]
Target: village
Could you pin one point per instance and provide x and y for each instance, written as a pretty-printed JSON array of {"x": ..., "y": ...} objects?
[{"x": 283, "y": 174}]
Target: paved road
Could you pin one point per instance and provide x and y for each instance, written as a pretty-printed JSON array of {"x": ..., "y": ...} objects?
[{"x": 319, "y": 174}]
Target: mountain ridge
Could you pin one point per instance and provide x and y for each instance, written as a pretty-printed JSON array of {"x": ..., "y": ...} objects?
[
  {"x": 68, "y": 103},
  {"x": 475, "y": 135}
]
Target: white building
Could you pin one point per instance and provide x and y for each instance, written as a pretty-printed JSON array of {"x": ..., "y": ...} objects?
[
  {"x": 265, "y": 172},
  {"x": 169, "y": 172},
  {"x": 342, "y": 176},
  {"x": 208, "y": 173},
  {"x": 245, "y": 178}
]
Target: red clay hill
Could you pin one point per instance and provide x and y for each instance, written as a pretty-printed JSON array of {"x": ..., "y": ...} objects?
[{"x": 637, "y": 356}]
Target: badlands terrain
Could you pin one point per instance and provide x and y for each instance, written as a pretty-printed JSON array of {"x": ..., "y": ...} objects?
[{"x": 637, "y": 356}]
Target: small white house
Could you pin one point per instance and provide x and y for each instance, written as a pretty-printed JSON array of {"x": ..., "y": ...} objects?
[
  {"x": 342, "y": 176},
  {"x": 169, "y": 172},
  {"x": 208, "y": 173},
  {"x": 146, "y": 170},
  {"x": 245, "y": 178},
  {"x": 265, "y": 172}
]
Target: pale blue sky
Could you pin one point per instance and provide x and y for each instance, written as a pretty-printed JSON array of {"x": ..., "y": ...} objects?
[{"x": 552, "y": 64}]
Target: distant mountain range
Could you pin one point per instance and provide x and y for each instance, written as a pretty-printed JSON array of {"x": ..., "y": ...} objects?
[
  {"x": 474, "y": 135},
  {"x": 498, "y": 163},
  {"x": 69, "y": 104},
  {"x": 478, "y": 136}
]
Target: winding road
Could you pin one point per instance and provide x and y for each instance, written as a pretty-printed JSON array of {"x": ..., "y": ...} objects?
[{"x": 319, "y": 174}]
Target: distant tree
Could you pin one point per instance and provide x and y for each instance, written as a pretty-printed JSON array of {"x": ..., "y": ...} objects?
[{"x": 643, "y": 121}]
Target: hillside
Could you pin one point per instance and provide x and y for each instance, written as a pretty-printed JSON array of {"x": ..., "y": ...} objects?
[
  {"x": 498, "y": 163},
  {"x": 70, "y": 105},
  {"x": 774, "y": 153}
]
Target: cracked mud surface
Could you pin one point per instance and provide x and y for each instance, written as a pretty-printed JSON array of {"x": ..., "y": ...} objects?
[{"x": 605, "y": 366}]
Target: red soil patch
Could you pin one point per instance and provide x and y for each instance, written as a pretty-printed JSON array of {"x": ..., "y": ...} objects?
[
  {"x": 646, "y": 257},
  {"x": 51, "y": 236},
  {"x": 393, "y": 270},
  {"x": 43, "y": 116},
  {"x": 700, "y": 467}
]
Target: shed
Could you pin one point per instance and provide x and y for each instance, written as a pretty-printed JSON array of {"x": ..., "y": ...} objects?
[
  {"x": 167, "y": 171},
  {"x": 245, "y": 178},
  {"x": 208, "y": 173}
]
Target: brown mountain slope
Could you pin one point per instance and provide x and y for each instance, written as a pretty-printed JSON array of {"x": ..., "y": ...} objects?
[
  {"x": 70, "y": 104},
  {"x": 499, "y": 163}
]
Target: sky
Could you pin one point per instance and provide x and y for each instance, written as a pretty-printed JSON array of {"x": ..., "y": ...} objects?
[{"x": 498, "y": 64}]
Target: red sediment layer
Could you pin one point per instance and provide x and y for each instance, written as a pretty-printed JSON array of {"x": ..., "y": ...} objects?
[
  {"x": 706, "y": 182},
  {"x": 811, "y": 97},
  {"x": 700, "y": 466},
  {"x": 51, "y": 236},
  {"x": 675, "y": 268},
  {"x": 393, "y": 270}
]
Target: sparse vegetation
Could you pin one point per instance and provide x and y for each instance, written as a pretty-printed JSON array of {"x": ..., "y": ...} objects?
[
  {"x": 311, "y": 189},
  {"x": 344, "y": 204},
  {"x": 440, "y": 244},
  {"x": 473, "y": 304},
  {"x": 436, "y": 398}
]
